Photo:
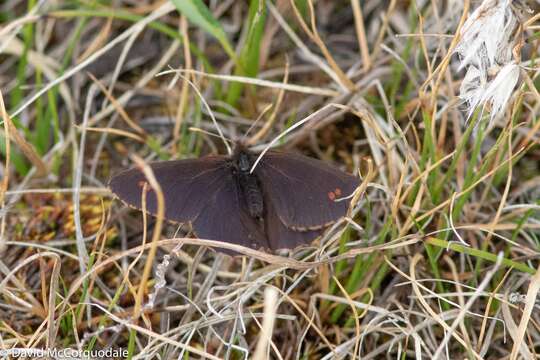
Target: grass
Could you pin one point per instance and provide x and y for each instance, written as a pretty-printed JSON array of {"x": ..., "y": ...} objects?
[{"x": 438, "y": 258}]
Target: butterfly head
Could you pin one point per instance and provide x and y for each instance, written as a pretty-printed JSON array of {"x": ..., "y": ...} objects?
[
  {"x": 244, "y": 162},
  {"x": 243, "y": 158}
]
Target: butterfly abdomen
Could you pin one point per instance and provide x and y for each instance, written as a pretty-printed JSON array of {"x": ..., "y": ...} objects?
[
  {"x": 249, "y": 184},
  {"x": 252, "y": 193}
]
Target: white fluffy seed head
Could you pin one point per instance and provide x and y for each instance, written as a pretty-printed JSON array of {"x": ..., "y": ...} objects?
[
  {"x": 485, "y": 50},
  {"x": 488, "y": 35}
]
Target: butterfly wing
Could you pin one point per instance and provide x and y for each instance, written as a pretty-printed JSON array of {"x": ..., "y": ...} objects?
[
  {"x": 303, "y": 190},
  {"x": 225, "y": 218},
  {"x": 299, "y": 198},
  {"x": 282, "y": 237},
  {"x": 186, "y": 185}
]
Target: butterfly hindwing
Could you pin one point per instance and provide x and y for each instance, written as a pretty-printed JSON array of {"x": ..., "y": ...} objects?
[
  {"x": 282, "y": 237},
  {"x": 225, "y": 218}
]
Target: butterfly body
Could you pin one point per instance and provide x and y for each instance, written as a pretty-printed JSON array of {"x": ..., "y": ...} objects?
[
  {"x": 249, "y": 184},
  {"x": 287, "y": 201}
]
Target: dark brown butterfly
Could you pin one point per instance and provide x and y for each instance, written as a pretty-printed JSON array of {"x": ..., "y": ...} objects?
[{"x": 287, "y": 201}]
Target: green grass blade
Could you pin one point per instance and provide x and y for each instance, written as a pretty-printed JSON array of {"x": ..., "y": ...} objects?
[
  {"x": 362, "y": 266},
  {"x": 248, "y": 63},
  {"x": 199, "y": 14},
  {"x": 480, "y": 254}
]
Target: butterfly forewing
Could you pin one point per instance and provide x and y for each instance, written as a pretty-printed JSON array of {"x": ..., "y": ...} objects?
[
  {"x": 303, "y": 190},
  {"x": 186, "y": 185}
]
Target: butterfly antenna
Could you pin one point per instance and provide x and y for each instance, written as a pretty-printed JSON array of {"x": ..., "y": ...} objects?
[
  {"x": 265, "y": 110},
  {"x": 298, "y": 124},
  {"x": 210, "y": 112},
  {"x": 209, "y": 133}
]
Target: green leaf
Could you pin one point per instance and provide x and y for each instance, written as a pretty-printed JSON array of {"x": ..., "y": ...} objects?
[
  {"x": 197, "y": 13},
  {"x": 248, "y": 64},
  {"x": 481, "y": 254}
]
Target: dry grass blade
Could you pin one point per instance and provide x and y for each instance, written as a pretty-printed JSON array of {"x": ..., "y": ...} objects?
[
  {"x": 5, "y": 178},
  {"x": 355, "y": 317},
  {"x": 162, "y": 10},
  {"x": 118, "y": 106},
  {"x": 530, "y": 302},
  {"x": 313, "y": 33},
  {"x": 154, "y": 184},
  {"x": 182, "y": 104},
  {"x": 210, "y": 112},
  {"x": 268, "y": 124},
  {"x": 361, "y": 34},
  {"x": 297, "y": 125},
  {"x": 115, "y": 132},
  {"x": 53, "y": 289},
  {"x": 260, "y": 82},
  {"x": 270, "y": 308},
  {"x": 99, "y": 41},
  {"x": 464, "y": 309},
  {"x": 448, "y": 330},
  {"x": 27, "y": 148},
  {"x": 413, "y": 268}
]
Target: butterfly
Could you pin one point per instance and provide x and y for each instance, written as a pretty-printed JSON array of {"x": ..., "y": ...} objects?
[{"x": 287, "y": 200}]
